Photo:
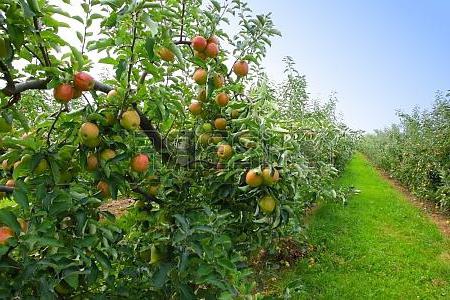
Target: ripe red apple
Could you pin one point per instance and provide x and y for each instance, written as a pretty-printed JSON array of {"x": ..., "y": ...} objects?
[
  {"x": 199, "y": 43},
  {"x": 222, "y": 99},
  {"x": 240, "y": 68},
  {"x": 220, "y": 123},
  {"x": 63, "y": 92},
  {"x": 5, "y": 234},
  {"x": 92, "y": 162},
  {"x": 200, "y": 76},
  {"x": 139, "y": 163},
  {"x": 165, "y": 54},
  {"x": 212, "y": 50},
  {"x": 130, "y": 120},
  {"x": 195, "y": 108},
  {"x": 83, "y": 81},
  {"x": 103, "y": 187},
  {"x": 89, "y": 131}
]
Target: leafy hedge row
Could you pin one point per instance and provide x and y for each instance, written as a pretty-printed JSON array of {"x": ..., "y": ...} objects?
[{"x": 417, "y": 151}]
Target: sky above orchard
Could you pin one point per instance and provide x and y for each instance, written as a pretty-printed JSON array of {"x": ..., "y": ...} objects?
[{"x": 379, "y": 56}]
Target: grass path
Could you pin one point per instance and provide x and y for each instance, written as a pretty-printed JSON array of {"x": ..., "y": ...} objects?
[{"x": 379, "y": 246}]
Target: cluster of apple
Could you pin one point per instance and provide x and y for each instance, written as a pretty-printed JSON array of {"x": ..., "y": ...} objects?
[
  {"x": 90, "y": 137},
  {"x": 205, "y": 48},
  {"x": 40, "y": 168},
  {"x": 268, "y": 176},
  {"x": 64, "y": 92},
  {"x": 5, "y": 231}
]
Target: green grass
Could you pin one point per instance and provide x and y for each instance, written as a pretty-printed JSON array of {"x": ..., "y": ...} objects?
[{"x": 378, "y": 246}]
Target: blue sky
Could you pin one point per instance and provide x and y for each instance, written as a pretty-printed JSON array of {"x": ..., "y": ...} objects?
[{"x": 379, "y": 56}]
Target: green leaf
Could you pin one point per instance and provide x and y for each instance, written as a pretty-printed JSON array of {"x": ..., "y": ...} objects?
[
  {"x": 149, "y": 44},
  {"x": 16, "y": 35},
  {"x": 78, "y": 57},
  {"x": 103, "y": 260},
  {"x": 152, "y": 25},
  {"x": 160, "y": 276},
  {"x": 80, "y": 36},
  {"x": 176, "y": 50},
  {"x": 18, "y": 115},
  {"x": 96, "y": 16},
  {"x": 85, "y": 7},
  {"x": 216, "y": 5},
  {"x": 182, "y": 221},
  {"x": 55, "y": 170},
  {"x": 121, "y": 66},
  {"x": 107, "y": 60},
  {"x": 22, "y": 169},
  {"x": 34, "y": 6},
  {"x": 9, "y": 219},
  {"x": 44, "y": 242},
  {"x": 78, "y": 18},
  {"x": 72, "y": 280},
  {"x": 28, "y": 12},
  {"x": 20, "y": 194}
]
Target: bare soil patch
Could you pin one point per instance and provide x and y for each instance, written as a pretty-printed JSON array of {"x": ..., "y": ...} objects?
[{"x": 117, "y": 207}]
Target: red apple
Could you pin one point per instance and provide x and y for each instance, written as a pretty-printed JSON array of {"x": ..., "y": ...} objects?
[
  {"x": 139, "y": 163},
  {"x": 240, "y": 68},
  {"x": 199, "y": 43},
  {"x": 63, "y": 92},
  {"x": 83, "y": 81}
]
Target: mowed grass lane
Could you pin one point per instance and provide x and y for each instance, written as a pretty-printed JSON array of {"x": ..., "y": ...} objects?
[{"x": 379, "y": 246}]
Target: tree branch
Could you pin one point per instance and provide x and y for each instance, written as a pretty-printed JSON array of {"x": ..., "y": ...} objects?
[
  {"x": 33, "y": 84},
  {"x": 6, "y": 189},
  {"x": 153, "y": 134},
  {"x": 146, "y": 125},
  {"x": 98, "y": 86},
  {"x": 85, "y": 28},
  {"x": 8, "y": 77},
  {"x": 146, "y": 195},
  {"x": 130, "y": 65},
  {"x": 142, "y": 79},
  {"x": 53, "y": 124},
  {"x": 34, "y": 54},
  {"x": 205, "y": 162},
  {"x": 182, "y": 43},
  {"x": 182, "y": 20},
  {"x": 37, "y": 27}
]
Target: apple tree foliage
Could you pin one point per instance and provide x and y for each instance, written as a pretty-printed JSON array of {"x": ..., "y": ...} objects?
[
  {"x": 416, "y": 151},
  {"x": 196, "y": 221}
]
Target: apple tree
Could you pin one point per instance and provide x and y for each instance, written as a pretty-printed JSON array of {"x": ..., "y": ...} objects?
[{"x": 181, "y": 122}]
